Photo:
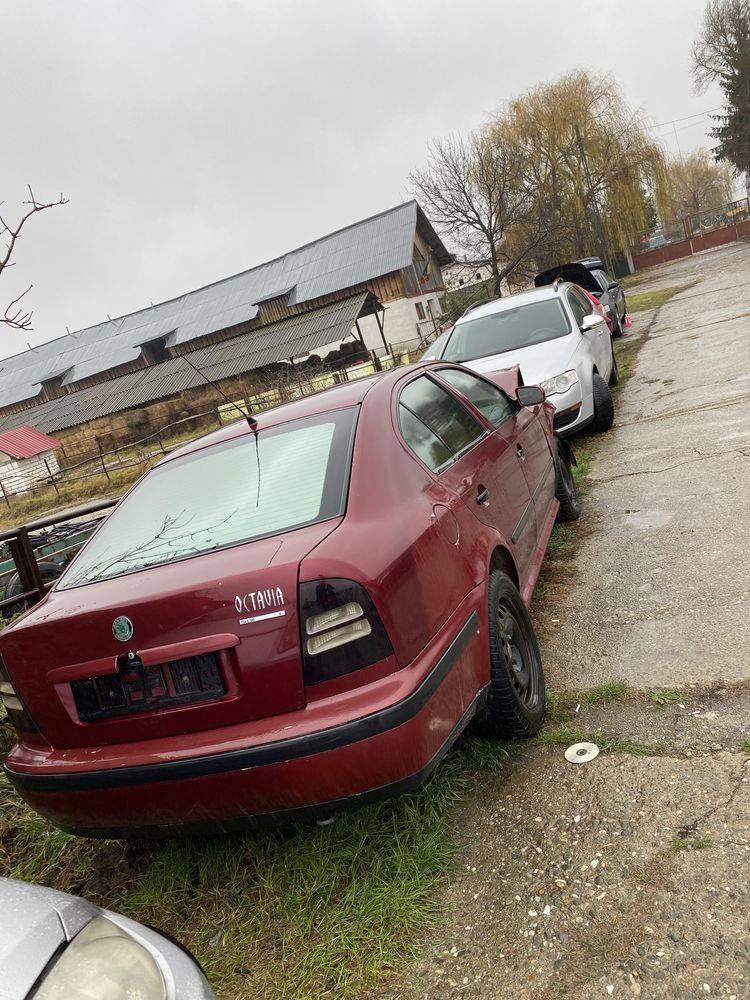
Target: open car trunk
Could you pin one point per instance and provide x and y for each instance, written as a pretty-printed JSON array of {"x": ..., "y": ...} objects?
[{"x": 574, "y": 272}]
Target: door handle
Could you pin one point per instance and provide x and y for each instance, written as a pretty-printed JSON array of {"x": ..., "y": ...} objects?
[
  {"x": 483, "y": 496},
  {"x": 520, "y": 452}
]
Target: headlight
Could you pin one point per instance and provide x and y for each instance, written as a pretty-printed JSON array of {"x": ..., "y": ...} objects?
[
  {"x": 607, "y": 310},
  {"x": 103, "y": 962},
  {"x": 560, "y": 383}
]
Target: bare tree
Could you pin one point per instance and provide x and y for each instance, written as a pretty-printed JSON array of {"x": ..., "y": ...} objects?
[
  {"x": 470, "y": 189},
  {"x": 15, "y": 315}
]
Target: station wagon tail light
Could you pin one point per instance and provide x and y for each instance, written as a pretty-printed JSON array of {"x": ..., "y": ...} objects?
[
  {"x": 341, "y": 630},
  {"x": 17, "y": 711}
]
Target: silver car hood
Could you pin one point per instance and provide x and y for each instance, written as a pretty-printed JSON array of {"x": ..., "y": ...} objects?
[
  {"x": 538, "y": 362},
  {"x": 34, "y": 922}
]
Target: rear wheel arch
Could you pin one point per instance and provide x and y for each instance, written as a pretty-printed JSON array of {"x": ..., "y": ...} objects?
[{"x": 502, "y": 560}]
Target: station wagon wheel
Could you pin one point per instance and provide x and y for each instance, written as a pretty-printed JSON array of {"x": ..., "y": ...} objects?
[
  {"x": 604, "y": 407},
  {"x": 566, "y": 492},
  {"x": 515, "y": 701},
  {"x": 614, "y": 375}
]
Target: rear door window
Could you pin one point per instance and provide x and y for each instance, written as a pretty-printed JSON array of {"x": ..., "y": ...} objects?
[
  {"x": 576, "y": 303},
  {"x": 434, "y": 424},
  {"x": 491, "y": 401}
]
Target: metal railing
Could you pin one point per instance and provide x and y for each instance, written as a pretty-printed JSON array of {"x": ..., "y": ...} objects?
[{"x": 24, "y": 553}]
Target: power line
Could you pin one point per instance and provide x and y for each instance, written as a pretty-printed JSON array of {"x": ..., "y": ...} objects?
[{"x": 701, "y": 114}]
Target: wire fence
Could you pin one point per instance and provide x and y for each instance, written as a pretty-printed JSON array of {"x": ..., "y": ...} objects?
[{"x": 694, "y": 224}]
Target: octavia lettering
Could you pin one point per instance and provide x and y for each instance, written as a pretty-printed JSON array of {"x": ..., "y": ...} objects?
[
  {"x": 260, "y": 605},
  {"x": 259, "y": 600}
]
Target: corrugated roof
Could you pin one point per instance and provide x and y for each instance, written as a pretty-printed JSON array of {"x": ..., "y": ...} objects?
[
  {"x": 351, "y": 256},
  {"x": 289, "y": 338},
  {"x": 25, "y": 442}
]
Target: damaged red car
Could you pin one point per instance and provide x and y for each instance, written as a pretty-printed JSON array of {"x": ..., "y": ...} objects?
[{"x": 295, "y": 614}]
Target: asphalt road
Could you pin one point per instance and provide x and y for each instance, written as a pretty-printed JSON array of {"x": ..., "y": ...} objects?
[{"x": 630, "y": 875}]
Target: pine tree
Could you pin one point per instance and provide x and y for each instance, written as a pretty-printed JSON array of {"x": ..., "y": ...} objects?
[{"x": 721, "y": 55}]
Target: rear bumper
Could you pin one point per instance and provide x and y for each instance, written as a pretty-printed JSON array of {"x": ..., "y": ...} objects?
[{"x": 371, "y": 756}]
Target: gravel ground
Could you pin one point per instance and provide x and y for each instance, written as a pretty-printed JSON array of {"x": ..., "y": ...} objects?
[{"x": 629, "y": 875}]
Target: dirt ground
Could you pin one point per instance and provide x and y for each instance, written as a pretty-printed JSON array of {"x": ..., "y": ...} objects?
[{"x": 630, "y": 875}]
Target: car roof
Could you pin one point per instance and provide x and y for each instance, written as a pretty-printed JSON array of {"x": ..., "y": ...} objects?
[
  {"x": 336, "y": 397},
  {"x": 512, "y": 301}
]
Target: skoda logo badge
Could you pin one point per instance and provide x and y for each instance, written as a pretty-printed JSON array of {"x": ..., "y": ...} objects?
[{"x": 122, "y": 628}]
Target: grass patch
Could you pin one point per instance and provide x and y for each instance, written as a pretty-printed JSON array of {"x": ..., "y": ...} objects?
[
  {"x": 564, "y": 736},
  {"x": 295, "y": 913},
  {"x": 691, "y": 843},
  {"x": 561, "y": 707},
  {"x": 560, "y": 541},
  {"x": 641, "y": 301},
  {"x": 665, "y": 696},
  {"x": 26, "y": 508},
  {"x": 745, "y": 746}
]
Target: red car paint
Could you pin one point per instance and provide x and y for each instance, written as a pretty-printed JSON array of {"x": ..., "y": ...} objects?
[
  {"x": 598, "y": 306},
  {"x": 270, "y": 747}
]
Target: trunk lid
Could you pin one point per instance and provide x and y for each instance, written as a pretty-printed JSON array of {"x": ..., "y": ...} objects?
[
  {"x": 574, "y": 271},
  {"x": 195, "y": 644}
]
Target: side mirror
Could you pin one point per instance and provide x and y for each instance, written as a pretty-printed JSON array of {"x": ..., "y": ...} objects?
[
  {"x": 530, "y": 395},
  {"x": 613, "y": 286},
  {"x": 591, "y": 321}
]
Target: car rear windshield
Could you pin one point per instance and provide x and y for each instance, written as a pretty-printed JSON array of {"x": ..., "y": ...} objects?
[
  {"x": 251, "y": 487},
  {"x": 508, "y": 330}
]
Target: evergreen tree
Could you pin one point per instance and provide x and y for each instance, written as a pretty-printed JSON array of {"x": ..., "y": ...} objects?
[{"x": 721, "y": 55}]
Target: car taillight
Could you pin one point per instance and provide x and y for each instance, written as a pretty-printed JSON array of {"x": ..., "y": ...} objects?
[
  {"x": 17, "y": 711},
  {"x": 340, "y": 629}
]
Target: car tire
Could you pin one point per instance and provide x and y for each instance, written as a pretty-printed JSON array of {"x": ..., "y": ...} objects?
[
  {"x": 49, "y": 571},
  {"x": 515, "y": 701},
  {"x": 616, "y": 327},
  {"x": 614, "y": 375},
  {"x": 565, "y": 485},
  {"x": 604, "y": 407}
]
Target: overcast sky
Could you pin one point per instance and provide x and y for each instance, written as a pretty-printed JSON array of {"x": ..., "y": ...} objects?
[{"x": 196, "y": 138}]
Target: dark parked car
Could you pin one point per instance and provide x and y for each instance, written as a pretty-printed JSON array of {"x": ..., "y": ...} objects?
[
  {"x": 297, "y": 613},
  {"x": 589, "y": 273},
  {"x": 54, "y": 946}
]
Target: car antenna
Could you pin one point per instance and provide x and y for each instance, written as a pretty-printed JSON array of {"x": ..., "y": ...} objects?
[{"x": 251, "y": 421}]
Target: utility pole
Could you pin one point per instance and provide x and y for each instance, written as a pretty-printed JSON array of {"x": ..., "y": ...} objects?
[{"x": 602, "y": 239}]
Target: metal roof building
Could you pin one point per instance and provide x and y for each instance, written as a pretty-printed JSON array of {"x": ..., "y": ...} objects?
[
  {"x": 282, "y": 340},
  {"x": 270, "y": 302}
]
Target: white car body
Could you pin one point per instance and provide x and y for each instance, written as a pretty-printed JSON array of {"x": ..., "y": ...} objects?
[{"x": 584, "y": 351}]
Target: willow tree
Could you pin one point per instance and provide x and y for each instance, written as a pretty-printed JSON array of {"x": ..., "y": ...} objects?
[
  {"x": 696, "y": 184},
  {"x": 586, "y": 160}
]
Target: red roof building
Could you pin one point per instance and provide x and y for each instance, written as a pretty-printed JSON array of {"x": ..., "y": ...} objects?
[{"x": 25, "y": 442}]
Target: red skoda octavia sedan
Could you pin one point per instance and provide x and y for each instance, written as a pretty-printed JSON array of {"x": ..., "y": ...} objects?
[{"x": 294, "y": 615}]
